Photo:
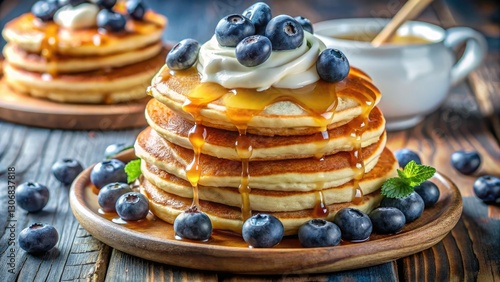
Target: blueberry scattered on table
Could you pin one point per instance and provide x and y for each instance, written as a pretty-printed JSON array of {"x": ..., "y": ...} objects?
[
  {"x": 429, "y": 193},
  {"x": 305, "y": 23},
  {"x": 66, "y": 170},
  {"x": 404, "y": 156},
  {"x": 262, "y": 231},
  {"x": 111, "y": 21},
  {"x": 332, "y": 65},
  {"x": 193, "y": 224},
  {"x": 466, "y": 162},
  {"x": 232, "y": 29},
  {"x": 109, "y": 194},
  {"x": 259, "y": 14},
  {"x": 387, "y": 220},
  {"x": 487, "y": 188},
  {"x": 38, "y": 238},
  {"x": 108, "y": 171},
  {"x": 355, "y": 225},
  {"x": 106, "y": 4},
  {"x": 412, "y": 205},
  {"x": 132, "y": 206},
  {"x": 253, "y": 50},
  {"x": 284, "y": 32},
  {"x": 44, "y": 10},
  {"x": 183, "y": 55},
  {"x": 136, "y": 9},
  {"x": 319, "y": 233},
  {"x": 32, "y": 196}
]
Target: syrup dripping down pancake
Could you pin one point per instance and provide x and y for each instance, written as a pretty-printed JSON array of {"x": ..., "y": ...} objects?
[
  {"x": 284, "y": 175},
  {"x": 167, "y": 206},
  {"x": 220, "y": 143},
  {"x": 301, "y": 111},
  {"x": 273, "y": 201}
]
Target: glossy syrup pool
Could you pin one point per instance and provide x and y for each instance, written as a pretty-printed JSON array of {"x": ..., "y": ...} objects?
[{"x": 153, "y": 228}]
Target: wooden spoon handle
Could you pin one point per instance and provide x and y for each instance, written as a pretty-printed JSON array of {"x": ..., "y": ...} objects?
[{"x": 410, "y": 10}]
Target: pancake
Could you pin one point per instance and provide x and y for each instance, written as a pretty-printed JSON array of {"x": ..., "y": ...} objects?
[
  {"x": 301, "y": 111},
  {"x": 274, "y": 201},
  {"x": 167, "y": 206},
  {"x": 67, "y": 64},
  {"x": 32, "y": 35},
  {"x": 101, "y": 86},
  {"x": 283, "y": 175},
  {"x": 220, "y": 143}
]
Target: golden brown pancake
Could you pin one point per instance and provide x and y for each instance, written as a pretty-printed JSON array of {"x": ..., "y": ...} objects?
[
  {"x": 274, "y": 201},
  {"x": 32, "y": 35},
  {"x": 167, "y": 206},
  {"x": 284, "y": 175},
  {"x": 302, "y": 111},
  {"x": 100, "y": 86},
  {"x": 221, "y": 143}
]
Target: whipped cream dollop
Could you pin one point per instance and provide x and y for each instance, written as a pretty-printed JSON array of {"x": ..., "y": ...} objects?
[
  {"x": 283, "y": 69},
  {"x": 78, "y": 17}
]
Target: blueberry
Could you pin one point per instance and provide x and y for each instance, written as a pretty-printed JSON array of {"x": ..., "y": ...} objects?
[
  {"x": 466, "y": 162},
  {"x": 354, "y": 224},
  {"x": 107, "y": 172},
  {"x": 487, "y": 188},
  {"x": 319, "y": 233},
  {"x": 66, "y": 170},
  {"x": 44, "y": 10},
  {"x": 232, "y": 29},
  {"x": 132, "y": 206},
  {"x": 38, "y": 238},
  {"x": 193, "y": 224},
  {"x": 305, "y": 23},
  {"x": 332, "y": 65},
  {"x": 136, "y": 9},
  {"x": 259, "y": 14},
  {"x": 111, "y": 21},
  {"x": 429, "y": 193},
  {"x": 110, "y": 193},
  {"x": 262, "y": 231},
  {"x": 387, "y": 220},
  {"x": 183, "y": 55},
  {"x": 75, "y": 3},
  {"x": 412, "y": 205},
  {"x": 253, "y": 50},
  {"x": 32, "y": 196},
  {"x": 284, "y": 32},
  {"x": 113, "y": 149},
  {"x": 404, "y": 156},
  {"x": 106, "y": 4}
]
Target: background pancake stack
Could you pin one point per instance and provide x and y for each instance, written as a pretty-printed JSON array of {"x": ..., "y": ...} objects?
[
  {"x": 302, "y": 154},
  {"x": 83, "y": 65}
]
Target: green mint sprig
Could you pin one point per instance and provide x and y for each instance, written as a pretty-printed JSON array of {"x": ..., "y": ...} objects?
[
  {"x": 133, "y": 170},
  {"x": 412, "y": 175}
]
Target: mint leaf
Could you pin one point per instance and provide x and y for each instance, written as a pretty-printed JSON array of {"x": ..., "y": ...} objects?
[
  {"x": 412, "y": 175},
  {"x": 415, "y": 174},
  {"x": 396, "y": 188},
  {"x": 133, "y": 170}
]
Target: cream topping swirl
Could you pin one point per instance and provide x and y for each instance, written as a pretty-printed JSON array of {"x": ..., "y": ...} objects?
[{"x": 283, "y": 69}]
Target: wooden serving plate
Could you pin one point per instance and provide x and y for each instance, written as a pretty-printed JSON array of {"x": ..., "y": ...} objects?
[
  {"x": 27, "y": 110},
  {"x": 154, "y": 239}
]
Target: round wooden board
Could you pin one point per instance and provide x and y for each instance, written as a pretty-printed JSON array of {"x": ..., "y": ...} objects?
[
  {"x": 154, "y": 239},
  {"x": 27, "y": 110}
]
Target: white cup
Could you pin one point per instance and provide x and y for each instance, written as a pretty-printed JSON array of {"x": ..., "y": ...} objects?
[{"x": 414, "y": 79}]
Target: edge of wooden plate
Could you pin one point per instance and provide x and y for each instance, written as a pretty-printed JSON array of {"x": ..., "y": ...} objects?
[{"x": 266, "y": 261}]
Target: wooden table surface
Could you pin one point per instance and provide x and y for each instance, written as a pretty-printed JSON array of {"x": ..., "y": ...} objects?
[{"x": 469, "y": 120}]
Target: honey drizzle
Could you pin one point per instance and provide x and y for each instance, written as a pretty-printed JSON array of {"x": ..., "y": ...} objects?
[
  {"x": 242, "y": 104},
  {"x": 49, "y": 46}
]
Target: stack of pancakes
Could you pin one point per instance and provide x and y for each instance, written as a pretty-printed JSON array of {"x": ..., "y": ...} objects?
[
  {"x": 88, "y": 65},
  {"x": 295, "y": 154}
]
